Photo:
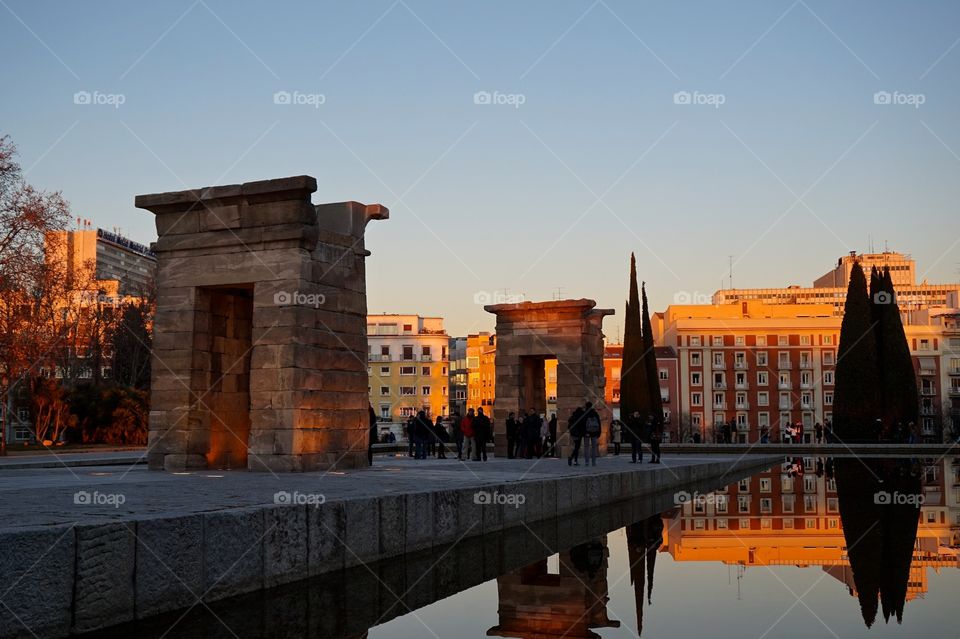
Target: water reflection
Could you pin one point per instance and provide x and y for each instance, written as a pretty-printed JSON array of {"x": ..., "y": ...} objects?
[{"x": 860, "y": 522}]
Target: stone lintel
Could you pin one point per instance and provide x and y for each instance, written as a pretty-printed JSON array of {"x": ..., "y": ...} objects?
[{"x": 280, "y": 189}]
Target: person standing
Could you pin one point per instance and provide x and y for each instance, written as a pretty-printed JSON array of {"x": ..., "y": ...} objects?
[
  {"x": 372, "y": 418},
  {"x": 553, "y": 435},
  {"x": 512, "y": 427},
  {"x": 457, "y": 434},
  {"x": 591, "y": 424},
  {"x": 440, "y": 432},
  {"x": 576, "y": 429},
  {"x": 634, "y": 429},
  {"x": 483, "y": 433},
  {"x": 818, "y": 432},
  {"x": 529, "y": 432},
  {"x": 544, "y": 436},
  {"x": 469, "y": 441},
  {"x": 422, "y": 428},
  {"x": 412, "y": 434},
  {"x": 653, "y": 439},
  {"x": 616, "y": 432}
]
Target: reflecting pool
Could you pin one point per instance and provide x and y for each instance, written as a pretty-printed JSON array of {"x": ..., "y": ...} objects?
[{"x": 812, "y": 547}]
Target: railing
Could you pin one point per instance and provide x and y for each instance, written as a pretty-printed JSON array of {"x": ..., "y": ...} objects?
[
  {"x": 785, "y": 385},
  {"x": 719, "y": 365},
  {"x": 740, "y": 366},
  {"x": 928, "y": 391},
  {"x": 376, "y": 357},
  {"x": 742, "y": 386},
  {"x": 743, "y": 405},
  {"x": 719, "y": 386},
  {"x": 784, "y": 364},
  {"x": 426, "y": 358}
]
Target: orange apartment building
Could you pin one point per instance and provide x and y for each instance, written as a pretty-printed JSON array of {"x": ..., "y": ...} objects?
[{"x": 481, "y": 371}]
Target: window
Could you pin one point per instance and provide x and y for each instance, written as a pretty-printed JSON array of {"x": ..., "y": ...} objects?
[
  {"x": 696, "y": 399},
  {"x": 810, "y": 523},
  {"x": 761, "y": 340},
  {"x": 766, "y": 505},
  {"x": 744, "y": 524},
  {"x": 783, "y": 359},
  {"x": 408, "y": 411},
  {"x": 924, "y": 345},
  {"x": 408, "y": 328},
  {"x": 615, "y": 373},
  {"x": 695, "y": 379},
  {"x": 810, "y": 503},
  {"x": 721, "y": 524},
  {"x": 694, "y": 340},
  {"x": 384, "y": 370},
  {"x": 425, "y": 390},
  {"x": 739, "y": 341},
  {"x": 721, "y": 503},
  {"x": 718, "y": 360},
  {"x": 408, "y": 352},
  {"x": 762, "y": 378},
  {"x": 763, "y": 398},
  {"x": 743, "y": 504},
  {"x": 804, "y": 340},
  {"x": 763, "y": 420},
  {"x": 663, "y": 374},
  {"x": 828, "y": 340},
  {"x": 695, "y": 359},
  {"x": 783, "y": 340},
  {"x": 828, "y": 398},
  {"x": 740, "y": 359},
  {"x": 788, "y": 501},
  {"x": 425, "y": 371},
  {"x": 765, "y": 484},
  {"x": 408, "y": 370},
  {"x": 385, "y": 351},
  {"x": 828, "y": 359},
  {"x": 828, "y": 378},
  {"x": 384, "y": 390},
  {"x": 744, "y": 485},
  {"x": 762, "y": 358},
  {"x": 696, "y": 419},
  {"x": 408, "y": 390},
  {"x": 718, "y": 340}
]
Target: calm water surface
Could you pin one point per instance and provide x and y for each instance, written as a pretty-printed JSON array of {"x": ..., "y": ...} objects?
[{"x": 810, "y": 548}]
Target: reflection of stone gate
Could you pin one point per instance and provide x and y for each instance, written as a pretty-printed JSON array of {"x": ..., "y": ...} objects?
[
  {"x": 530, "y": 333},
  {"x": 259, "y": 353}
]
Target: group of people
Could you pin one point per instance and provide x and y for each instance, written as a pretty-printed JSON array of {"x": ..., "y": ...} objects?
[
  {"x": 532, "y": 436},
  {"x": 636, "y": 431},
  {"x": 470, "y": 434}
]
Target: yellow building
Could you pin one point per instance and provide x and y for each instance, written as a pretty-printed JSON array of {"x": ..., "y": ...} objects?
[
  {"x": 481, "y": 371},
  {"x": 408, "y": 365}
]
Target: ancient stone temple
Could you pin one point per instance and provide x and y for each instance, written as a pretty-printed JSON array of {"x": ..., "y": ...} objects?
[
  {"x": 528, "y": 334},
  {"x": 259, "y": 354}
]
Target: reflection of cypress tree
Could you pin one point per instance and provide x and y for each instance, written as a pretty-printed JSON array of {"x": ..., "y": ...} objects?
[
  {"x": 898, "y": 380},
  {"x": 856, "y": 395},
  {"x": 644, "y": 539},
  {"x": 655, "y": 403},
  {"x": 880, "y": 537},
  {"x": 633, "y": 380}
]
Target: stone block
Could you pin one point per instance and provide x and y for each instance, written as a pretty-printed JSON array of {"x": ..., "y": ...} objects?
[
  {"x": 419, "y": 518},
  {"x": 285, "y": 541},
  {"x": 104, "y": 586},
  {"x": 233, "y": 552},
  {"x": 362, "y": 539},
  {"x": 169, "y": 564},
  {"x": 393, "y": 524},
  {"x": 326, "y": 532}
]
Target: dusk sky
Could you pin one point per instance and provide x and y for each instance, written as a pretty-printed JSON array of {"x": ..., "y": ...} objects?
[{"x": 785, "y": 158}]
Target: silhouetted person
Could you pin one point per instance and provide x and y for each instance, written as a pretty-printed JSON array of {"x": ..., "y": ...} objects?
[
  {"x": 591, "y": 429},
  {"x": 458, "y": 434},
  {"x": 530, "y": 432},
  {"x": 440, "y": 433},
  {"x": 652, "y": 432},
  {"x": 553, "y": 435},
  {"x": 513, "y": 426},
  {"x": 482, "y": 432},
  {"x": 633, "y": 429},
  {"x": 372, "y": 418},
  {"x": 576, "y": 429}
]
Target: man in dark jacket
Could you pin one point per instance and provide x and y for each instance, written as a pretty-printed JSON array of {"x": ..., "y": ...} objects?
[
  {"x": 576, "y": 428},
  {"x": 633, "y": 427},
  {"x": 530, "y": 433},
  {"x": 422, "y": 430},
  {"x": 591, "y": 430},
  {"x": 652, "y": 433},
  {"x": 512, "y": 427},
  {"x": 482, "y": 430}
]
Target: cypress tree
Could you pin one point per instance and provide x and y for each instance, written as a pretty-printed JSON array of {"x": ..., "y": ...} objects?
[
  {"x": 650, "y": 362},
  {"x": 898, "y": 380},
  {"x": 633, "y": 376},
  {"x": 856, "y": 401}
]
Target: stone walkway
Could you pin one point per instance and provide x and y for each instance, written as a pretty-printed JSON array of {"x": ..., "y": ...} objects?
[{"x": 38, "y": 497}]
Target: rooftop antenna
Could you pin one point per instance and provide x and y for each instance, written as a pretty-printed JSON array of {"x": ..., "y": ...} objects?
[
  {"x": 559, "y": 293},
  {"x": 730, "y": 258}
]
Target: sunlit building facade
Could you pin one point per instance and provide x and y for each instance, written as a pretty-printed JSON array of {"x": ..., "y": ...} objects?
[
  {"x": 481, "y": 371},
  {"x": 408, "y": 366}
]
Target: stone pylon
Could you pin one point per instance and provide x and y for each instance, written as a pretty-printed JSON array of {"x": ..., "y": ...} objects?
[{"x": 259, "y": 354}]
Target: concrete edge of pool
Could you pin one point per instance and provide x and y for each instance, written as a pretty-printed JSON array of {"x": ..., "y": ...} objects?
[{"x": 72, "y": 578}]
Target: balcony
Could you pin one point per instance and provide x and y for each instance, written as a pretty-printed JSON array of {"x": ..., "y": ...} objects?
[
  {"x": 785, "y": 385},
  {"x": 785, "y": 406},
  {"x": 806, "y": 405},
  {"x": 784, "y": 364},
  {"x": 426, "y": 358},
  {"x": 719, "y": 365},
  {"x": 742, "y": 386},
  {"x": 740, "y": 365},
  {"x": 720, "y": 406},
  {"x": 928, "y": 392},
  {"x": 928, "y": 371},
  {"x": 719, "y": 386},
  {"x": 743, "y": 405},
  {"x": 806, "y": 364},
  {"x": 375, "y": 357},
  {"x": 928, "y": 411},
  {"x": 954, "y": 391}
]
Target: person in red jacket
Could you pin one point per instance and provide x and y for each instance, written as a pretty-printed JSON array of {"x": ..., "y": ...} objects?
[{"x": 469, "y": 436}]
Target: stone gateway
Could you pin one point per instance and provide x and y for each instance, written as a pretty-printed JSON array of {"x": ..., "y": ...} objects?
[{"x": 259, "y": 354}]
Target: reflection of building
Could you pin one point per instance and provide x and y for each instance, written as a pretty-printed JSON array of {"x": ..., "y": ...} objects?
[
  {"x": 774, "y": 519},
  {"x": 408, "y": 362},
  {"x": 535, "y": 603},
  {"x": 481, "y": 371}
]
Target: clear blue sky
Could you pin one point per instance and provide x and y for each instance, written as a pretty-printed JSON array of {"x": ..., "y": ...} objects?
[{"x": 486, "y": 196}]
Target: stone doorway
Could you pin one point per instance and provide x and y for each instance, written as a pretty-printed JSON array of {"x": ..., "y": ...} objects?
[
  {"x": 530, "y": 333},
  {"x": 223, "y": 344}
]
